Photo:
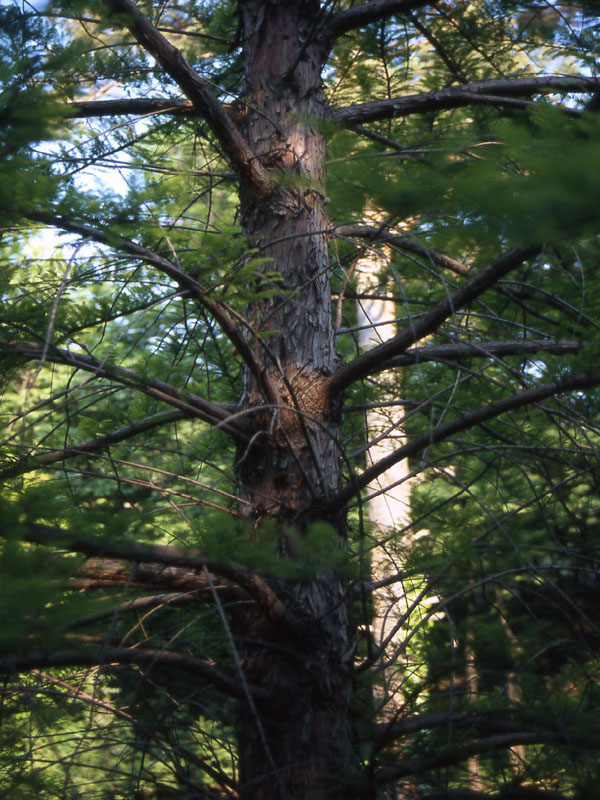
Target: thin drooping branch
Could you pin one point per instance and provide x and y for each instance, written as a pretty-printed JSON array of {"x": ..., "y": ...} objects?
[
  {"x": 379, "y": 234},
  {"x": 139, "y": 552},
  {"x": 76, "y": 692},
  {"x": 467, "y": 421},
  {"x": 197, "y": 90},
  {"x": 94, "y": 445},
  {"x": 218, "y": 309},
  {"x": 141, "y": 656},
  {"x": 496, "y": 92},
  {"x": 188, "y": 404},
  {"x": 376, "y": 359},
  {"x": 463, "y": 350},
  {"x": 361, "y": 15}
]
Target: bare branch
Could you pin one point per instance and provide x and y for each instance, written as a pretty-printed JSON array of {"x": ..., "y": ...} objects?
[
  {"x": 138, "y": 106},
  {"x": 185, "y": 282},
  {"x": 454, "y": 754},
  {"x": 371, "y": 361},
  {"x": 198, "y": 91},
  {"x": 252, "y": 583},
  {"x": 189, "y": 404},
  {"x": 358, "y": 16},
  {"x": 93, "y": 445},
  {"x": 441, "y": 719},
  {"x": 508, "y": 792},
  {"x": 494, "y": 92},
  {"x": 139, "y": 604},
  {"x": 379, "y": 234},
  {"x": 470, "y": 420},
  {"x": 141, "y": 656},
  {"x": 460, "y": 350}
]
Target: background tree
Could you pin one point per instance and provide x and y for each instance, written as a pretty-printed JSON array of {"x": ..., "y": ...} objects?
[{"x": 185, "y": 589}]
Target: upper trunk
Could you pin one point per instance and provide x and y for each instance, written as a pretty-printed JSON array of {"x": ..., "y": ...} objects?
[{"x": 295, "y": 458}]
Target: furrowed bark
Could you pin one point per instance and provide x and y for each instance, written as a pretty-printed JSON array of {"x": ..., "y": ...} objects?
[{"x": 293, "y": 459}]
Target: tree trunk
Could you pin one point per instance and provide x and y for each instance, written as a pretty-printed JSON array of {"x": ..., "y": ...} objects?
[{"x": 304, "y": 748}]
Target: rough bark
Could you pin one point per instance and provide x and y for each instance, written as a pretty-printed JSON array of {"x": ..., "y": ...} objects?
[{"x": 292, "y": 462}]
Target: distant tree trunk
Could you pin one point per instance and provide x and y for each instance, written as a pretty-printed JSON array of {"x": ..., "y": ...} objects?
[
  {"x": 303, "y": 749},
  {"x": 389, "y": 508}
]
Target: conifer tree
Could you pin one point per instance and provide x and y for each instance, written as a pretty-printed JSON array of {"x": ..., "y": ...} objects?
[{"x": 186, "y": 593}]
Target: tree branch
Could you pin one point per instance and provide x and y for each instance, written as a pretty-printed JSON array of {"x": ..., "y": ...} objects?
[
  {"x": 249, "y": 581},
  {"x": 184, "y": 281},
  {"x": 188, "y": 404},
  {"x": 469, "y": 420},
  {"x": 379, "y": 234},
  {"x": 492, "y": 92},
  {"x": 198, "y": 91},
  {"x": 96, "y": 573},
  {"x": 138, "y": 106},
  {"x": 142, "y": 656},
  {"x": 371, "y": 361},
  {"x": 460, "y": 350},
  {"x": 441, "y": 719},
  {"x": 454, "y": 754},
  {"x": 93, "y": 445},
  {"x": 361, "y": 15}
]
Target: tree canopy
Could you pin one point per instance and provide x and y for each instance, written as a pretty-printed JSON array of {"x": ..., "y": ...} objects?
[{"x": 194, "y": 600}]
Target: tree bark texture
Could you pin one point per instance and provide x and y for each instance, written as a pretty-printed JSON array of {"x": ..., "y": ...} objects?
[{"x": 291, "y": 465}]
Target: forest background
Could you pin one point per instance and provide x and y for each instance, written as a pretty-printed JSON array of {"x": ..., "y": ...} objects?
[{"x": 299, "y": 361}]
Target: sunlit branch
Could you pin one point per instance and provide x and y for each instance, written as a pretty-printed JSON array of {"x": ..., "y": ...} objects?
[
  {"x": 184, "y": 281},
  {"x": 371, "y": 361},
  {"x": 361, "y": 15},
  {"x": 496, "y": 92},
  {"x": 198, "y": 91},
  {"x": 252, "y": 583},
  {"x": 188, "y": 404},
  {"x": 467, "y": 421},
  {"x": 140, "y": 656},
  {"x": 138, "y": 106},
  {"x": 379, "y": 234}
]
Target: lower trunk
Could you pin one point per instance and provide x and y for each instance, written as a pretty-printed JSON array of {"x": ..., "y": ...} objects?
[{"x": 302, "y": 747}]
